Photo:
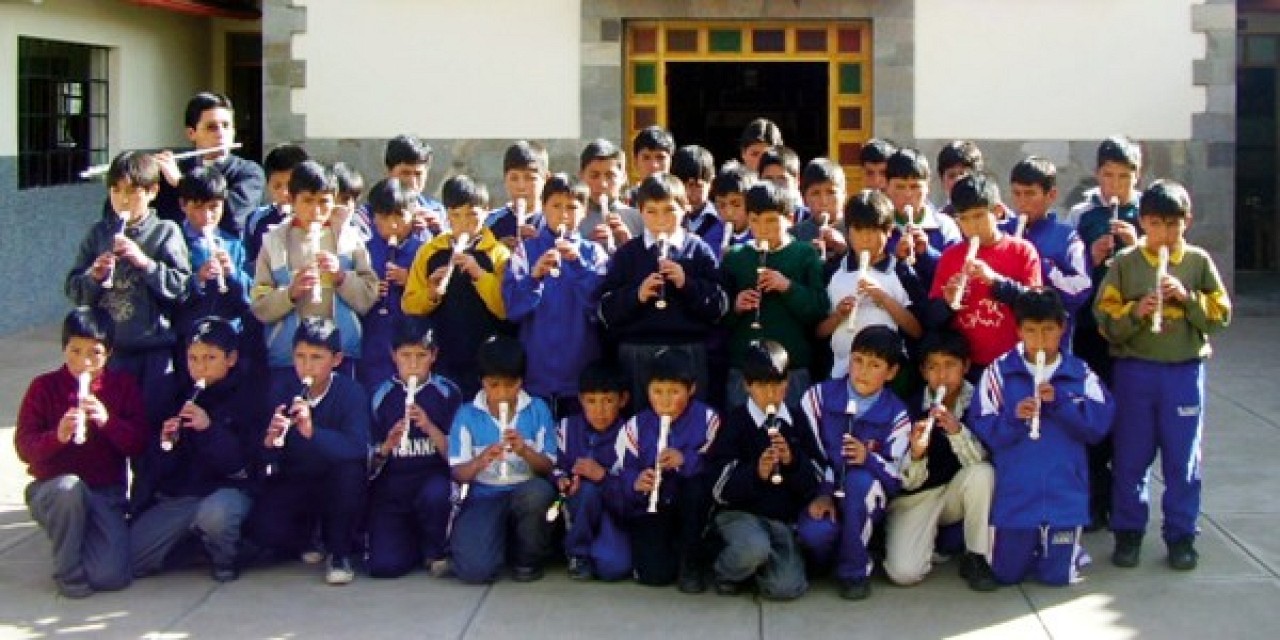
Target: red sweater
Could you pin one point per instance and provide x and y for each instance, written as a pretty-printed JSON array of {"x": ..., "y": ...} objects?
[
  {"x": 100, "y": 461},
  {"x": 988, "y": 325}
]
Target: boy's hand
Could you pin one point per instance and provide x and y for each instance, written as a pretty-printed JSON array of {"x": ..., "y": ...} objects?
[
  {"x": 67, "y": 425},
  {"x": 650, "y": 287},
  {"x": 168, "y": 167},
  {"x": 589, "y": 469},
  {"x": 328, "y": 263},
  {"x": 304, "y": 280},
  {"x": 768, "y": 461},
  {"x": 169, "y": 429},
  {"x": 279, "y": 422},
  {"x": 1124, "y": 232},
  {"x": 301, "y": 412},
  {"x": 670, "y": 458},
  {"x": 398, "y": 432},
  {"x": 918, "y": 448},
  {"x": 872, "y": 289},
  {"x": 779, "y": 445},
  {"x": 528, "y": 231},
  {"x": 846, "y": 306},
  {"x": 542, "y": 268},
  {"x": 94, "y": 411},
  {"x": 427, "y": 219},
  {"x": 1146, "y": 306},
  {"x": 981, "y": 271},
  {"x": 568, "y": 250},
  {"x": 102, "y": 266},
  {"x": 1173, "y": 289},
  {"x": 210, "y": 271},
  {"x": 822, "y": 507},
  {"x": 672, "y": 271},
  {"x": 773, "y": 281},
  {"x": 746, "y": 301},
  {"x": 947, "y": 420},
  {"x": 1027, "y": 408},
  {"x": 467, "y": 263},
  {"x": 600, "y": 235},
  {"x": 492, "y": 454},
  {"x": 397, "y": 275},
  {"x": 127, "y": 249},
  {"x": 420, "y": 419},
  {"x": 437, "y": 276},
  {"x": 568, "y": 485},
  {"x": 512, "y": 440},
  {"x": 951, "y": 287},
  {"x": 853, "y": 451},
  {"x": 194, "y": 416},
  {"x": 621, "y": 234},
  {"x": 644, "y": 481},
  {"x": 1101, "y": 249},
  {"x": 1046, "y": 392}
]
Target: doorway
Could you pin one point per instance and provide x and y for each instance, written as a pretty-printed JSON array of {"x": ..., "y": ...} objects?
[{"x": 244, "y": 87}]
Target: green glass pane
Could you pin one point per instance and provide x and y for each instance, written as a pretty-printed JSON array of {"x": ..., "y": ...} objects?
[
  {"x": 644, "y": 78},
  {"x": 726, "y": 41},
  {"x": 851, "y": 78}
]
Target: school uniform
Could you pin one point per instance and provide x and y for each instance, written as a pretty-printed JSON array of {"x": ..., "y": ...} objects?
[
  {"x": 899, "y": 280},
  {"x": 381, "y": 321},
  {"x": 502, "y": 222},
  {"x": 942, "y": 232},
  {"x": 706, "y": 224},
  {"x": 593, "y": 530},
  {"x": 595, "y": 217},
  {"x": 245, "y": 184}
]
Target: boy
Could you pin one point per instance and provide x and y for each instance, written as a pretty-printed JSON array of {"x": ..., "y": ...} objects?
[
  {"x": 524, "y": 172},
  {"x": 408, "y": 160},
  {"x": 874, "y": 158},
  {"x": 822, "y": 186},
  {"x": 1003, "y": 263},
  {"x": 549, "y": 290},
  {"x": 136, "y": 267},
  {"x": 695, "y": 167},
  {"x": 758, "y": 136},
  {"x": 410, "y": 484},
  {"x": 220, "y": 286},
  {"x": 1159, "y": 372},
  {"x": 766, "y": 467},
  {"x": 885, "y": 295},
  {"x": 609, "y": 221},
  {"x": 666, "y": 541},
  {"x": 392, "y": 248},
  {"x": 927, "y": 233},
  {"x": 651, "y": 151},
  {"x": 1037, "y": 426},
  {"x": 279, "y": 165},
  {"x": 661, "y": 290},
  {"x": 781, "y": 166},
  {"x": 862, "y": 431},
  {"x": 956, "y": 160},
  {"x": 312, "y": 265},
  {"x": 77, "y": 493},
  {"x": 777, "y": 292},
  {"x": 729, "y": 191},
  {"x": 506, "y": 467},
  {"x": 350, "y": 186},
  {"x": 196, "y": 474},
  {"x": 459, "y": 285},
  {"x": 947, "y": 479},
  {"x": 594, "y": 541},
  {"x": 314, "y": 449}
]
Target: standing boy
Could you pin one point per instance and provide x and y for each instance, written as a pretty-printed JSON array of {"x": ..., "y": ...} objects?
[
  {"x": 220, "y": 285},
  {"x": 408, "y": 160},
  {"x": 609, "y": 221},
  {"x": 874, "y": 159},
  {"x": 695, "y": 167},
  {"x": 392, "y": 247},
  {"x": 922, "y": 236},
  {"x": 524, "y": 172}
]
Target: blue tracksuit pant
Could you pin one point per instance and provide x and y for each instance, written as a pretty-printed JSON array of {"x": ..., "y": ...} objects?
[
  {"x": 594, "y": 533},
  {"x": 478, "y": 545},
  {"x": 1052, "y": 555},
  {"x": 405, "y": 533},
  {"x": 846, "y": 540},
  {"x": 286, "y": 512}
]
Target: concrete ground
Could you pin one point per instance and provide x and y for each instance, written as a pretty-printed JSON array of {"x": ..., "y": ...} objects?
[{"x": 1234, "y": 594}]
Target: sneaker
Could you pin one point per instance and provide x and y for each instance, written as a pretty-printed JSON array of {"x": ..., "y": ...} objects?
[
  {"x": 977, "y": 572},
  {"x": 74, "y": 589},
  {"x": 855, "y": 589},
  {"x": 313, "y": 556},
  {"x": 581, "y": 569},
  {"x": 339, "y": 571},
  {"x": 1128, "y": 549},
  {"x": 440, "y": 568},
  {"x": 225, "y": 573},
  {"x": 728, "y": 587},
  {"x": 526, "y": 574},
  {"x": 1182, "y": 555},
  {"x": 691, "y": 581}
]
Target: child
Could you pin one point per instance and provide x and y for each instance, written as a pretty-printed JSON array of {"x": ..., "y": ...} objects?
[
  {"x": 1159, "y": 373},
  {"x": 947, "y": 479},
  {"x": 312, "y": 266},
  {"x": 758, "y": 136},
  {"x": 602, "y": 167},
  {"x": 220, "y": 285},
  {"x": 661, "y": 289},
  {"x": 524, "y": 172},
  {"x": 928, "y": 233},
  {"x": 505, "y": 466},
  {"x": 77, "y": 493},
  {"x": 666, "y": 542},
  {"x": 392, "y": 248},
  {"x": 1037, "y": 429},
  {"x": 956, "y": 160},
  {"x": 315, "y": 449},
  {"x": 777, "y": 290},
  {"x": 862, "y": 432},
  {"x": 874, "y": 158},
  {"x": 136, "y": 267},
  {"x": 695, "y": 167},
  {"x": 781, "y": 166},
  {"x": 594, "y": 541},
  {"x": 350, "y": 186},
  {"x": 822, "y": 186},
  {"x": 729, "y": 191},
  {"x": 766, "y": 467},
  {"x": 199, "y": 484},
  {"x": 279, "y": 165},
  {"x": 549, "y": 290},
  {"x": 885, "y": 295},
  {"x": 408, "y": 160},
  {"x": 651, "y": 151},
  {"x": 1003, "y": 262},
  {"x": 459, "y": 285},
  {"x": 409, "y": 493}
]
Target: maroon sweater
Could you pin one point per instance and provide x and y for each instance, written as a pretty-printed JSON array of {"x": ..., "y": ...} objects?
[{"x": 100, "y": 461}]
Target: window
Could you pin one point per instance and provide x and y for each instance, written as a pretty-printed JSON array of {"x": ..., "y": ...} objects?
[{"x": 62, "y": 111}]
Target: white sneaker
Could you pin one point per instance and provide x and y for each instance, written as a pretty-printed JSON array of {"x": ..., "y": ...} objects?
[
  {"x": 339, "y": 572},
  {"x": 440, "y": 568},
  {"x": 313, "y": 556}
]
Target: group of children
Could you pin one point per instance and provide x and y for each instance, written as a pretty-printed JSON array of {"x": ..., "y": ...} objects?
[{"x": 744, "y": 374}]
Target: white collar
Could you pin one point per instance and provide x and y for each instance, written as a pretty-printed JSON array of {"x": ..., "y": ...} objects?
[
  {"x": 758, "y": 415},
  {"x": 962, "y": 400},
  {"x": 315, "y": 402},
  {"x": 675, "y": 239}
]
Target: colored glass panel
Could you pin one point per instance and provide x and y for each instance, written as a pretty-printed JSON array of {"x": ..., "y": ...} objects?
[
  {"x": 850, "y": 118},
  {"x": 644, "y": 41},
  {"x": 811, "y": 40},
  {"x": 849, "y": 152},
  {"x": 851, "y": 78},
  {"x": 644, "y": 78},
  {"x": 726, "y": 40},
  {"x": 682, "y": 41},
  {"x": 849, "y": 41},
  {"x": 644, "y": 117},
  {"x": 769, "y": 41}
]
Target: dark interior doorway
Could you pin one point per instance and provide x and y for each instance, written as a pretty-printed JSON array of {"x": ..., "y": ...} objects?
[
  {"x": 244, "y": 87},
  {"x": 710, "y": 102}
]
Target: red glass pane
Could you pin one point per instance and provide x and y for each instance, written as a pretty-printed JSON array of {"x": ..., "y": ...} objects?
[
  {"x": 811, "y": 40},
  {"x": 849, "y": 152},
  {"x": 850, "y": 118},
  {"x": 644, "y": 41},
  {"x": 849, "y": 41},
  {"x": 644, "y": 116}
]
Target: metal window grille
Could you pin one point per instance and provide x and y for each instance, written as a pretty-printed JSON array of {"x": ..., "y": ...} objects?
[{"x": 62, "y": 111}]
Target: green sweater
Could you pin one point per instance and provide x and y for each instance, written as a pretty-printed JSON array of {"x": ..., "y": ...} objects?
[
  {"x": 1185, "y": 334},
  {"x": 787, "y": 318}
]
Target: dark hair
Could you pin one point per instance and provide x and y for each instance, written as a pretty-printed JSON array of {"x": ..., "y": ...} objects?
[
  {"x": 961, "y": 153},
  {"x": 600, "y": 149},
  {"x": 461, "y": 190},
  {"x": 93, "y": 323},
  {"x": 312, "y": 177},
  {"x": 653, "y": 138},
  {"x": 1035, "y": 171},
  {"x": 389, "y": 196},
  {"x": 672, "y": 365},
  {"x": 284, "y": 158},
  {"x": 1165, "y": 199},
  {"x": 318, "y": 332},
  {"x": 137, "y": 168},
  {"x": 764, "y": 361},
  {"x": 784, "y": 157},
  {"x": 202, "y": 102},
  {"x": 1039, "y": 304},
  {"x": 202, "y": 184},
  {"x": 733, "y": 177},
  {"x": 760, "y": 130},
  {"x": 692, "y": 162},
  {"x": 523, "y": 154},
  {"x": 907, "y": 164},
  {"x": 409, "y": 332},
  {"x": 406, "y": 149},
  {"x": 879, "y": 341},
  {"x": 660, "y": 186},
  {"x": 819, "y": 171},
  {"x": 764, "y": 196},
  {"x": 876, "y": 151},
  {"x": 500, "y": 357},
  {"x": 1120, "y": 150},
  {"x": 564, "y": 183},
  {"x": 601, "y": 377},
  {"x": 869, "y": 209},
  {"x": 974, "y": 191},
  {"x": 349, "y": 181},
  {"x": 947, "y": 343},
  {"x": 215, "y": 332}
]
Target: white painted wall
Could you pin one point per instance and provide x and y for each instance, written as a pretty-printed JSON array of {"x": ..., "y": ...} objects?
[
  {"x": 158, "y": 60},
  {"x": 440, "y": 68},
  {"x": 1055, "y": 69}
]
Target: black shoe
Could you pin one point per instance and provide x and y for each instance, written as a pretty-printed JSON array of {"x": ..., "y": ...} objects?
[
  {"x": 74, "y": 589},
  {"x": 977, "y": 572},
  {"x": 728, "y": 587},
  {"x": 855, "y": 589},
  {"x": 1128, "y": 549},
  {"x": 1099, "y": 519},
  {"x": 225, "y": 573},
  {"x": 526, "y": 574},
  {"x": 1182, "y": 555},
  {"x": 581, "y": 569},
  {"x": 690, "y": 581}
]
